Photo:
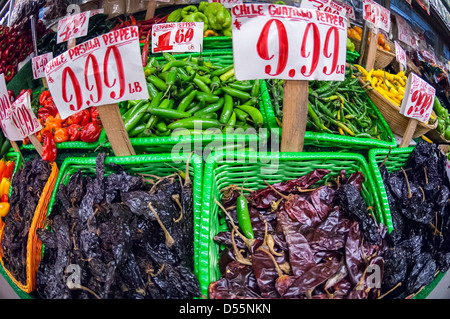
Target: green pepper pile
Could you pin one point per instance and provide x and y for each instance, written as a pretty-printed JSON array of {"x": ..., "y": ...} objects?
[
  {"x": 443, "y": 119},
  {"x": 192, "y": 94},
  {"x": 214, "y": 16},
  {"x": 336, "y": 107}
]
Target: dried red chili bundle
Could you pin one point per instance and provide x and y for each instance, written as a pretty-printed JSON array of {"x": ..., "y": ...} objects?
[{"x": 308, "y": 244}]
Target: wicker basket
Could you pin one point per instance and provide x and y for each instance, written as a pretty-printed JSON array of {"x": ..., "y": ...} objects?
[
  {"x": 34, "y": 245},
  {"x": 391, "y": 113},
  {"x": 437, "y": 137},
  {"x": 383, "y": 58}
]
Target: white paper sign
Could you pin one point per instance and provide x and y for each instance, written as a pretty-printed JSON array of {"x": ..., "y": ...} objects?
[
  {"x": 177, "y": 37},
  {"x": 104, "y": 70},
  {"x": 72, "y": 27},
  {"x": 38, "y": 65},
  {"x": 324, "y": 5},
  {"x": 405, "y": 32},
  {"x": 284, "y": 42},
  {"x": 377, "y": 15},
  {"x": 350, "y": 11},
  {"x": 22, "y": 116},
  {"x": 227, "y": 3},
  {"x": 418, "y": 99},
  {"x": 9, "y": 130},
  {"x": 400, "y": 54}
]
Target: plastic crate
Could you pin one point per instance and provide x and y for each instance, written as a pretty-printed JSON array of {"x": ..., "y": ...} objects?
[
  {"x": 332, "y": 141},
  {"x": 398, "y": 158},
  {"x": 156, "y": 164},
  {"x": 188, "y": 143},
  {"x": 254, "y": 168},
  {"x": 217, "y": 43}
]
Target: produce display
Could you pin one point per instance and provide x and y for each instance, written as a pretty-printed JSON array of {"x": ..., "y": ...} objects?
[
  {"x": 192, "y": 94},
  {"x": 130, "y": 229},
  {"x": 310, "y": 241},
  {"x": 131, "y": 235}
]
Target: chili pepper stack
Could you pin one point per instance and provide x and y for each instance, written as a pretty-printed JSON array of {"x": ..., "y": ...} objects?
[{"x": 6, "y": 172}]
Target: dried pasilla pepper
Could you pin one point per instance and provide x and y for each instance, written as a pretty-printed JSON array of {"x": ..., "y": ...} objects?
[
  {"x": 49, "y": 148},
  {"x": 306, "y": 243},
  {"x": 128, "y": 255},
  {"x": 91, "y": 132},
  {"x": 74, "y": 131}
]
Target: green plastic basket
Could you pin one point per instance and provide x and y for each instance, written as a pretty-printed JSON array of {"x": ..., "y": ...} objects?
[
  {"x": 254, "y": 168},
  {"x": 398, "y": 158},
  {"x": 332, "y": 141},
  {"x": 217, "y": 43},
  {"x": 156, "y": 164},
  {"x": 17, "y": 159},
  {"x": 206, "y": 142},
  {"x": 75, "y": 145}
]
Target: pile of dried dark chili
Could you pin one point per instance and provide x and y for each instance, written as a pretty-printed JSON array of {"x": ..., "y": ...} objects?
[
  {"x": 122, "y": 236},
  {"x": 27, "y": 186},
  {"x": 419, "y": 245},
  {"x": 305, "y": 241}
]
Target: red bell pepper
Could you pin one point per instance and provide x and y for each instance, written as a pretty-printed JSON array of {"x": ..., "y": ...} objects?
[
  {"x": 9, "y": 73},
  {"x": 11, "y": 96},
  {"x": 9, "y": 170},
  {"x": 95, "y": 117},
  {"x": 44, "y": 95},
  {"x": 91, "y": 132},
  {"x": 49, "y": 148},
  {"x": 85, "y": 117},
  {"x": 8, "y": 54},
  {"x": 5, "y": 198},
  {"x": 74, "y": 131}
]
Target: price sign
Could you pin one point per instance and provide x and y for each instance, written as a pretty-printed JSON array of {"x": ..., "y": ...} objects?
[
  {"x": 38, "y": 64},
  {"x": 72, "y": 27},
  {"x": 418, "y": 99},
  {"x": 283, "y": 42},
  {"x": 349, "y": 10},
  {"x": 400, "y": 54},
  {"x": 227, "y": 3},
  {"x": 405, "y": 32},
  {"x": 104, "y": 70},
  {"x": 324, "y": 5},
  {"x": 9, "y": 130},
  {"x": 22, "y": 116},
  {"x": 377, "y": 15},
  {"x": 177, "y": 37}
]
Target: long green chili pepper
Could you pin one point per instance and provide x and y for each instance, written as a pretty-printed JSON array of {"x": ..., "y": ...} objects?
[
  {"x": 186, "y": 101},
  {"x": 243, "y": 215},
  {"x": 227, "y": 109},
  {"x": 213, "y": 107}
]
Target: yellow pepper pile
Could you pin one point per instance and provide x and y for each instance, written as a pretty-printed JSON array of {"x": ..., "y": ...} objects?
[{"x": 391, "y": 86}]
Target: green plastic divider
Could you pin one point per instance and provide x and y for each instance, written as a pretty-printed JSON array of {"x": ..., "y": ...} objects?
[
  {"x": 207, "y": 142},
  {"x": 75, "y": 145},
  {"x": 352, "y": 56},
  {"x": 217, "y": 43},
  {"x": 156, "y": 164},
  {"x": 255, "y": 168},
  {"x": 17, "y": 159},
  {"x": 334, "y": 141},
  {"x": 398, "y": 158}
]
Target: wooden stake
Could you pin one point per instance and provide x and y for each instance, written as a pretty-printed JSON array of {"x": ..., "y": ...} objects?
[
  {"x": 295, "y": 114},
  {"x": 409, "y": 132},
  {"x": 17, "y": 149},
  {"x": 372, "y": 50},
  {"x": 151, "y": 8},
  {"x": 37, "y": 145},
  {"x": 115, "y": 129}
]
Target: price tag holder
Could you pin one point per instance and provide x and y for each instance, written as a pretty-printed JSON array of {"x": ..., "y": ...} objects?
[
  {"x": 417, "y": 104},
  {"x": 227, "y": 3},
  {"x": 100, "y": 72},
  {"x": 324, "y": 5},
  {"x": 72, "y": 27},
  {"x": 9, "y": 130},
  {"x": 272, "y": 41},
  {"x": 38, "y": 64},
  {"x": 377, "y": 15},
  {"x": 400, "y": 55},
  {"x": 177, "y": 37},
  {"x": 283, "y": 42}
]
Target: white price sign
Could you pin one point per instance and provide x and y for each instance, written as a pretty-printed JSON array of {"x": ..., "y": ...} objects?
[
  {"x": 38, "y": 64},
  {"x": 418, "y": 99},
  {"x": 377, "y": 15},
  {"x": 104, "y": 70},
  {"x": 400, "y": 54},
  {"x": 405, "y": 32},
  {"x": 284, "y": 42},
  {"x": 72, "y": 27},
  {"x": 9, "y": 129},
  {"x": 227, "y": 3},
  {"x": 324, "y": 5},
  {"x": 177, "y": 37},
  {"x": 349, "y": 10},
  {"x": 22, "y": 116}
]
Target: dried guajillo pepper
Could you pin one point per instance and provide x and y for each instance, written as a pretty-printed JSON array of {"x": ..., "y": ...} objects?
[{"x": 305, "y": 245}]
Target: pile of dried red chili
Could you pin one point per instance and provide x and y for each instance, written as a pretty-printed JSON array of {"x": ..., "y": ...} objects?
[
  {"x": 83, "y": 126},
  {"x": 307, "y": 242}
]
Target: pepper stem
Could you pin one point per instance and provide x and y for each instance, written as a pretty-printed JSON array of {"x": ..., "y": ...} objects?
[
  {"x": 169, "y": 240},
  {"x": 407, "y": 183},
  {"x": 276, "y": 191}
]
